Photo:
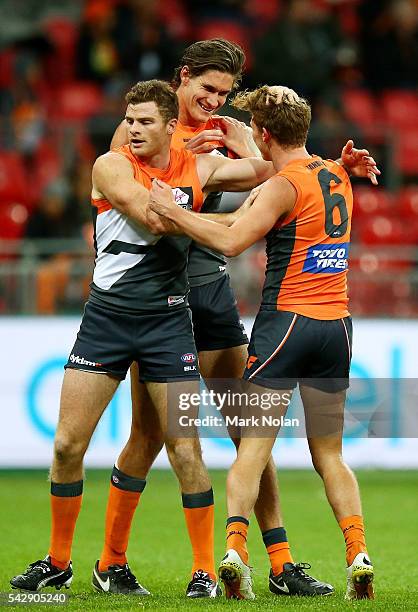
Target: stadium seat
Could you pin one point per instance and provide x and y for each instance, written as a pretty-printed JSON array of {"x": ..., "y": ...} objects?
[
  {"x": 173, "y": 14},
  {"x": 47, "y": 166},
  {"x": 406, "y": 148},
  {"x": 264, "y": 12},
  {"x": 224, "y": 28},
  {"x": 372, "y": 201},
  {"x": 13, "y": 217},
  {"x": 13, "y": 179},
  {"x": 7, "y": 61},
  {"x": 408, "y": 202},
  {"x": 386, "y": 230},
  {"x": 400, "y": 108},
  {"x": 361, "y": 108},
  {"x": 62, "y": 33},
  {"x": 77, "y": 101},
  {"x": 383, "y": 260},
  {"x": 363, "y": 295}
]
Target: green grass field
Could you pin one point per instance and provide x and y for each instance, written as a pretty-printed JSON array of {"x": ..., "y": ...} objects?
[{"x": 159, "y": 552}]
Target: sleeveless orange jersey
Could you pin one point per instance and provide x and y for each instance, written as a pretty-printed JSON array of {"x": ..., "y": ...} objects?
[
  {"x": 134, "y": 269},
  {"x": 307, "y": 252},
  {"x": 181, "y": 172}
]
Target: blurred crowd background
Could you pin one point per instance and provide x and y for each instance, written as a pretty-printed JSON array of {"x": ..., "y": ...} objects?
[{"x": 66, "y": 65}]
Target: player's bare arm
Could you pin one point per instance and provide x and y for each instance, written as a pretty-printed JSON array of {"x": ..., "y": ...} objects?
[
  {"x": 113, "y": 179},
  {"x": 218, "y": 173},
  {"x": 275, "y": 200}
]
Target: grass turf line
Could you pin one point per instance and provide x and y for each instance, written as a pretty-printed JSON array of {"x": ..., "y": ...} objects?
[{"x": 160, "y": 556}]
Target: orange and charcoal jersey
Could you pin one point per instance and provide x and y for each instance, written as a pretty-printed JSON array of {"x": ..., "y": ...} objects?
[
  {"x": 307, "y": 252},
  {"x": 136, "y": 271},
  {"x": 205, "y": 265}
]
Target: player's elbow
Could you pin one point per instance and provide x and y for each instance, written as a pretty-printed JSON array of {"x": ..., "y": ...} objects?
[{"x": 232, "y": 248}]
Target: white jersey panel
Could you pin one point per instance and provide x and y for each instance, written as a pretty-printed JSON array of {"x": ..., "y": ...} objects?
[{"x": 111, "y": 226}]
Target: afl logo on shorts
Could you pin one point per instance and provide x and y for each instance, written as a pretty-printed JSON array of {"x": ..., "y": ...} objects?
[{"x": 188, "y": 357}]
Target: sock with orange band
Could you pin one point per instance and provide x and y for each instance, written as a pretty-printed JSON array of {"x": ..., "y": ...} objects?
[
  {"x": 65, "y": 508},
  {"x": 353, "y": 532},
  {"x": 200, "y": 520},
  {"x": 277, "y": 546},
  {"x": 124, "y": 495},
  {"x": 236, "y": 536}
]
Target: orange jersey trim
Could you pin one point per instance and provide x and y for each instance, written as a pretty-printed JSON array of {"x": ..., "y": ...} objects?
[{"x": 101, "y": 204}]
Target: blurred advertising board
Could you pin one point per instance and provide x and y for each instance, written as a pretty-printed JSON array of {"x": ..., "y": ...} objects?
[{"x": 34, "y": 350}]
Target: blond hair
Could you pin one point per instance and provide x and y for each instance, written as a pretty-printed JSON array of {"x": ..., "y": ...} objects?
[{"x": 280, "y": 111}]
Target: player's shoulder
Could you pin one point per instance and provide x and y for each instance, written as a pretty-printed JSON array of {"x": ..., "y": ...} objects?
[
  {"x": 110, "y": 161},
  {"x": 182, "y": 156},
  {"x": 333, "y": 166},
  {"x": 278, "y": 185}
]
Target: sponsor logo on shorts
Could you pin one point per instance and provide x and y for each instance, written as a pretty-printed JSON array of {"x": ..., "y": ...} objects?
[
  {"x": 180, "y": 197},
  {"x": 190, "y": 368},
  {"x": 82, "y": 361},
  {"x": 188, "y": 357},
  {"x": 115, "y": 479},
  {"x": 222, "y": 268},
  {"x": 174, "y": 300},
  {"x": 326, "y": 258}
]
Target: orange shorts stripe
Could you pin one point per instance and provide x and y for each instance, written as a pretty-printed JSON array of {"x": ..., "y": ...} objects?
[{"x": 282, "y": 343}]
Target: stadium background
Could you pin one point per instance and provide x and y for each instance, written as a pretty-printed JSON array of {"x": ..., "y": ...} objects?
[{"x": 65, "y": 67}]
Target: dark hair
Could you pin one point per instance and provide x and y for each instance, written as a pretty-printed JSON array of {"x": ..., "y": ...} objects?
[
  {"x": 213, "y": 54},
  {"x": 156, "y": 91},
  {"x": 286, "y": 115}
]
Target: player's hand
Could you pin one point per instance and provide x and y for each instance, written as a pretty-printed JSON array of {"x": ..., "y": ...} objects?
[
  {"x": 276, "y": 93},
  {"x": 161, "y": 198},
  {"x": 358, "y": 162},
  {"x": 205, "y": 142},
  {"x": 237, "y": 136},
  {"x": 155, "y": 223}
]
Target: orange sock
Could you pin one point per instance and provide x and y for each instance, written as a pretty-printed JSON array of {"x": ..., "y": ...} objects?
[
  {"x": 277, "y": 546},
  {"x": 236, "y": 536},
  {"x": 199, "y": 514},
  {"x": 65, "y": 508},
  {"x": 124, "y": 495},
  {"x": 353, "y": 532}
]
